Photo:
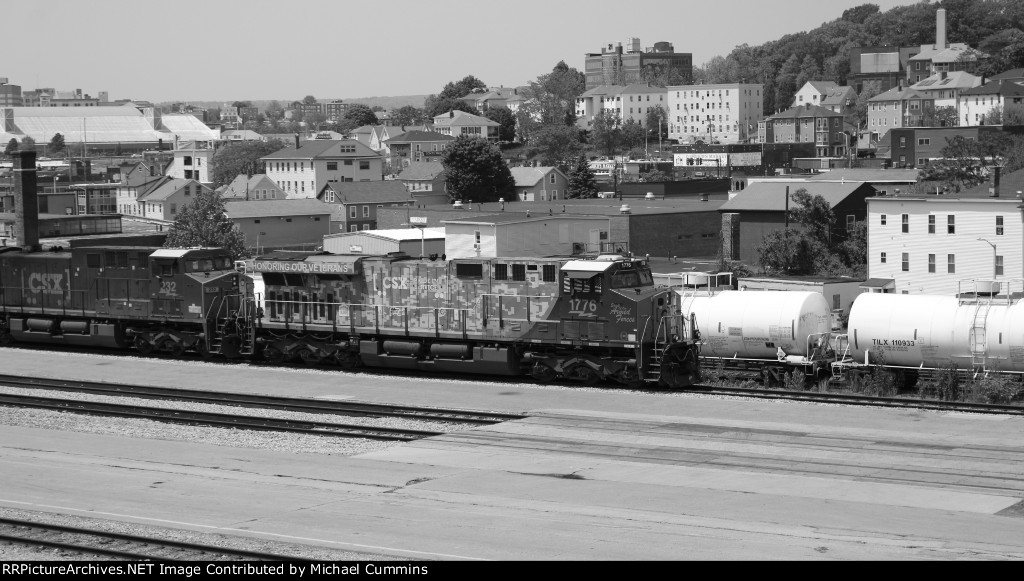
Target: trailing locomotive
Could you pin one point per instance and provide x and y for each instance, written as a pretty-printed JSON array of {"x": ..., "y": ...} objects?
[
  {"x": 152, "y": 299},
  {"x": 585, "y": 320}
]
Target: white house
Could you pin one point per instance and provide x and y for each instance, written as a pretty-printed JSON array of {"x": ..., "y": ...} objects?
[{"x": 727, "y": 113}]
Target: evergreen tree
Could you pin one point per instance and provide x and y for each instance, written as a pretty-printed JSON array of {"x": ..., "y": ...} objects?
[
  {"x": 12, "y": 147},
  {"x": 204, "y": 223},
  {"x": 582, "y": 183},
  {"x": 57, "y": 143}
]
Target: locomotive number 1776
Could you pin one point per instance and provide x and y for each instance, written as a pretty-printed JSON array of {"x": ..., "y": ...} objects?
[{"x": 582, "y": 307}]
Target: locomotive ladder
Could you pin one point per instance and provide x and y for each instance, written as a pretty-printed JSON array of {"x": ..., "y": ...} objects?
[
  {"x": 978, "y": 336},
  {"x": 227, "y": 322}
]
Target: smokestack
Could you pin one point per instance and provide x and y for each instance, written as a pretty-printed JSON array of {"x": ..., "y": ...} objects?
[
  {"x": 996, "y": 174},
  {"x": 940, "y": 29},
  {"x": 26, "y": 202},
  {"x": 296, "y": 141}
]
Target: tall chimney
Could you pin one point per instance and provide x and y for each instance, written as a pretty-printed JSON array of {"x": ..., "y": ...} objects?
[
  {"x": 996, "y": 175},
  {"x": 940, "y": 29},
  {"x": 296, "y": 141},
  {"x": 26, "y": 202}
]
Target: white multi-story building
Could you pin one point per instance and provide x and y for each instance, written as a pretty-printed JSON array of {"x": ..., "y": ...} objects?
[
  {"x": 945, "y": 88},
  {"x": 977, "y": 103},
  {"x": 930, "y": 244},
  {"x": 597, "y": 100},
  {"x": 302, "y": 172},
  {"x": 727, "y": 113}
]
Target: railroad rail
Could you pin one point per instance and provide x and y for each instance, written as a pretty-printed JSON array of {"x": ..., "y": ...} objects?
[
  {"x": 132, "y": 547},
  {"x": 189, "y": 417},
  {"x": 281, "y": 403},
  {"x": 862, "y": 400}
]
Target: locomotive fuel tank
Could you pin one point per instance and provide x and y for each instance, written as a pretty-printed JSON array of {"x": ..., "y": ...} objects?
[
  {"x": 757, "y": 324},
  {"x": 934, "y": 331}
]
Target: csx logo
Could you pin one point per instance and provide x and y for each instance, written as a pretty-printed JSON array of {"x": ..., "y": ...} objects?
[
  {"x": 45, "y": 283},
  {"x": 399, "y": 282}
]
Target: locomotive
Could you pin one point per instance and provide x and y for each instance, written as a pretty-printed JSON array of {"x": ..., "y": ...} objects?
[
  {"x": 153, "y": 299},
  {"x": 583, "y": 320}
]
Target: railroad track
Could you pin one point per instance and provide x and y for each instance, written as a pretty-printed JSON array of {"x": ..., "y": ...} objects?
[
  {"x": 131, "y": 547},
  {"x": 304, "y": 405},
  {"x": 862, "y": 400}
]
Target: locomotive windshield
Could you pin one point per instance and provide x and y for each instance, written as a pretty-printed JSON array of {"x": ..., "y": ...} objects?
[
  {"x": 634, "y": 277},
  {"x": 209, "y": 264}
]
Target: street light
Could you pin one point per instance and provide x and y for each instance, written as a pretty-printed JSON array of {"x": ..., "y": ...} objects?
[
  {"x": 420, "y": 222},
  {"x": 995, "y": 271}
]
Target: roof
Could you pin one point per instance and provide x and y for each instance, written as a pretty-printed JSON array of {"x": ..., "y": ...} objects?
[
  {"x": 587, "y": 207},
  {"x": 243, "y": 134},
  {"x": 273, "y": 208},
  {"x": 166, "y": 189},
  {"x": 839, "y": 95},
  {"x": 242, "y": 186},
  {"x": 899, "y": 94},
  {"x": 421, "y": 170},
  {"x": 771, "y": 196},
  {"x": 643, "y": 88},
  {"x": 462, "y": 118},
  {"x": 878, "y": 283},
  {"x": 395, "y": 234},
  {"x": 123, "y": 124},
  {"x": 1010, "y": 74},
  {"x": 954, "y": 52},
  {"x": 806, "y": 110},
  {"x": 953, "y": 80},
  {"x": 323, "y": 149},
  {"x": 186, "y": 127},
  {"x": 867, "y": 175},
  {"x": 1009, "y": 185},
  {"x": 822, "y": 86},
  {"x": 513, "y": 217},
  {"x": 526, "y": 177},
  {"x": 362, "y": 192},
  {"x": 998, "y": 87},
  {"x": 419, "y": 136}
]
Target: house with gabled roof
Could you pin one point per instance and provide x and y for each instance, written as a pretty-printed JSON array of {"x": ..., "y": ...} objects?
[
  {"x": 495, "y": 97},
  {"x": 813, "y": 92},
  {"x": 945, "y": 88},
  {"x": 592, "y": 102},
  {"x": 304, "y": 171},
  {"x": 978, "y": 102},
  {"x": 166, "y": 197},
  {"x": 540, "y": 183},
  {"x": 458, "y": 123},
  {"x": 425, "y": 182},
  {"x": 418, "y": 146},
  {"x": 252, "y": 188},
  {"x": 354, "y": 204},
  {"x": 840, "y": 99},
  {"x": 898, "y": 107},
  {"x": 807, "y": 124}
]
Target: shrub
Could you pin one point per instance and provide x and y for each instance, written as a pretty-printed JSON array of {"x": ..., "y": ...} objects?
[{"x": 996, "y": 389}]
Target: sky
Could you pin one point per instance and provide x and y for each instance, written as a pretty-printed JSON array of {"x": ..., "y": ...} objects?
[{"x": 227, "y": 50}]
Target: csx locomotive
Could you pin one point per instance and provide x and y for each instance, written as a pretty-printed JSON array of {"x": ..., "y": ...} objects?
[{"x": 584, "y": 320}]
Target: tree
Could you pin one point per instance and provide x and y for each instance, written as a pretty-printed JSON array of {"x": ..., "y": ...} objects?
[
  {"x": 461, "y": 88},
  {"x": 203, "y": 222},
  {"x": 786, "y": 87},
  {"x": 633, "y": 134},
  {"x": 994, "y": 116},
  {"x": 476, "y": 171},
  {"x": 57, "y": 143},
  {"x": 361, "y": 115},
  {"x": 434, "y": 106},
  {"x": 12, "y": 147},
  {"x": 309, "y": 100},
  {"x": 506, "y": 121},
  {"x": 813, "y": 247},
  {"x": 809, "y": 71},
  {"x": 655, "y": 175},
  {"x": 657, "y": 123},
  {"x": 407, "y": 115},
  {"x": 240, "y": 104},
  {"x": 940, "y": 117},
  {"x": 1013, "y": 114},
  {"x": 582, "y": 182},
  {"x": 556, "y": 144},
  {"x": 606, "y": 132},
  {"x": 553, "y": 96},
  {"x": 858, "y": 115},
  {"x": 243, "y": 157},
  {"x": 27, "y": 144},
  {"x": 274, "y": 110}
]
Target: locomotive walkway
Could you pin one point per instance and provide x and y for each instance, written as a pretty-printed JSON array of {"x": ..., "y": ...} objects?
[{"x": 588, "y": 475}]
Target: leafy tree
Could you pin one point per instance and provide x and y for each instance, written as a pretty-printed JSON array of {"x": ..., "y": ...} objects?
[
  {"x": 239, "y": 104},
  {"x": 461, "y": 88},
  {"x": 994, "y": 116},
  {"x": 813, "y": 247},
  {"x": 1013, "y": 114},
  {"x": 12, "y": 147},
  {"x": 407, "y": 115},
  {"x": 506, "y": 121},
  {"x": 606, "y": 132},
  {"x": 27, "y": 143},
  {"x": 57, "y": 143},
  {"x": 655, "y": 175},
  {"x": 940, "y": 117},
  {"x": 554, "y": 94},
  {"x": 274, "y": 110},
  {"x": 243, "y": 157},
  {"x": 582, "y": 182},
  {"x": 434, "y": 106},
  {"x": 858, "y": 115},
  {"x": 633, "y": 134},
  {"x": 657, "y": 123},
  {"x": 786, "y": 87},
  {"x": 476, "y": 171},
  {"x": 809, "y": 71},
  {"x": 309, "y": 100},
  {"x": 557, "y": 145},
  {"x": 203, "y": 222},
  {"x": 361, "y": 115},
  {"x": 662, "y": 75}
]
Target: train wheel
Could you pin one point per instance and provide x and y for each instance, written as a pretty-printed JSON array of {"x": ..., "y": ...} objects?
[
  {"x": 175, "y": 349},
  {"x": 308, "y": 357},
  {"x": 273, "y": 355},
  {"x": 143, "y": 346},
  {"x": 585, "y": 374},
  {"x": 5, "y": 338},
  {"x": 348, "y": 359},
  {"x": 542, "y": 373}
]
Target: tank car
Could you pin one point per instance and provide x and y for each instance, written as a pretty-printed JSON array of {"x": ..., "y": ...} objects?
[
  {"x": 586, "y": 320},
  {"x": 919, "y": 332},
  {"x": 772, "y": 332},
  {"x": 154, "y": 299}
]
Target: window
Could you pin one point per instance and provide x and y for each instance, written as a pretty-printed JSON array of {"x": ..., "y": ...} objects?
[
  {"x": 951, "y": 224},
  {"x": 836, "y": 304},
  {"x": 469, "y": 270},
  {"x": 500, "y": 272},
  {"x": 851, "y": 221},
  {"x": 366, "y": 211},
  {"x": 924, "y": 141},
  {"x": 353, "y": 227},
  {"x": 931, "y": 263},
  {"x": 999, "y": 225},
  {"x": 352, "y": 212},
  {"x": 883, "y": 219},
  {"x": 518, "y": 272},
  {"x": 906, "y": 223},
  {"x": 552, "y": 177},
  {"x": 174, "y": 208},
  {"x": 906, "y": 262},
  {"x": 951, "y": 263},
  {"x": 999, "y": 266},
  {"x": 332, "y": 166},
  {"x": 931, "y": 224},
  {"x": 549, "y": 273},
  {"x": 364, "y": 164},
  {"x": 882, "y": 258}
]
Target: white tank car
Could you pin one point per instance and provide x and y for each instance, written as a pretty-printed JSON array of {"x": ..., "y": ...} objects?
[
  {"x": 911, "y": 330},
  {"x": 757, "y": 324}
]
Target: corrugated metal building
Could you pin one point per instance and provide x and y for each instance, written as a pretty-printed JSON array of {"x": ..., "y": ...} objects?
[{"x": 412, "y": 241}]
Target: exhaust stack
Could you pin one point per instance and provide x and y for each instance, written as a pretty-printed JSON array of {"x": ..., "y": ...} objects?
[{"x": 26, "y": 202}]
